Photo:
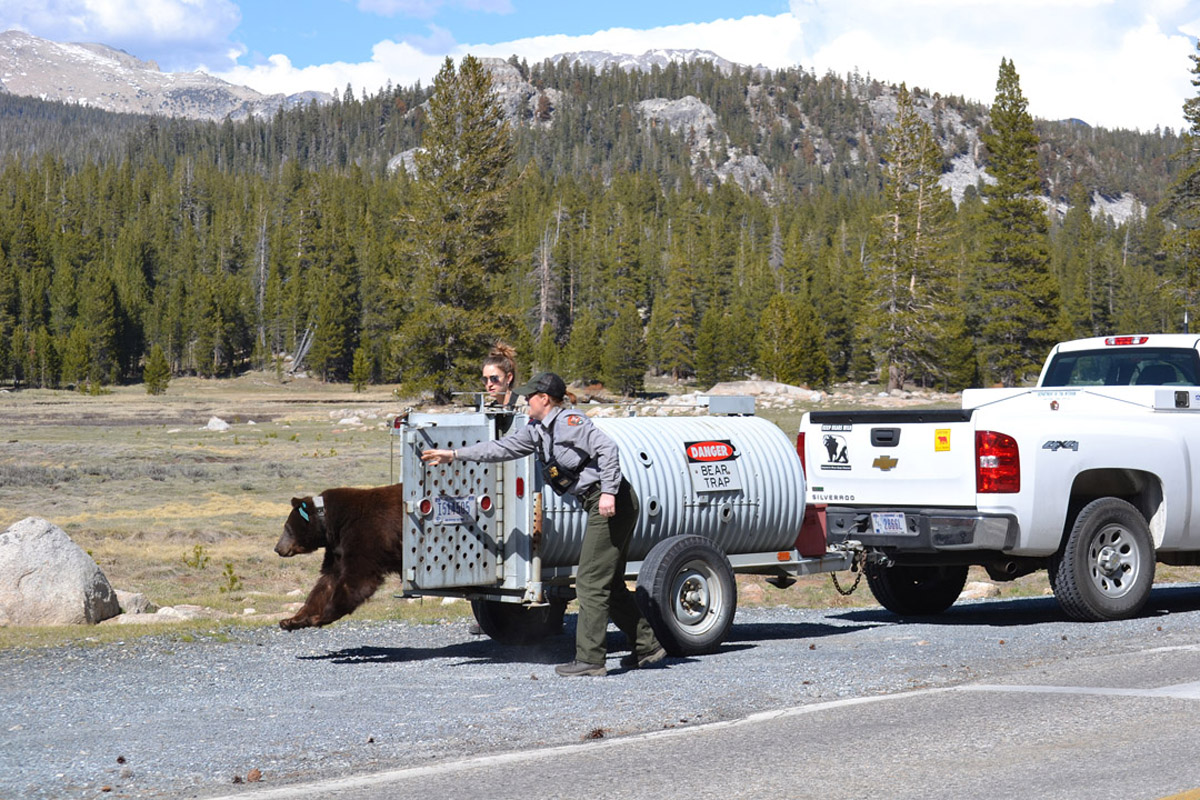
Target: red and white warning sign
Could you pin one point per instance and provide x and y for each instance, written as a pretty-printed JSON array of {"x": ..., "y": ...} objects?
[{"x": 713, "y": 465}]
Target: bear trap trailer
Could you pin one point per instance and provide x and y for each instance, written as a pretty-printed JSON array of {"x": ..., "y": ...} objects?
[{"x": 719, "y": 494}]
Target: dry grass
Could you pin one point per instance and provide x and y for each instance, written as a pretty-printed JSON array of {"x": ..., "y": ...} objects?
[
  {"x": 139, "y": 483},
  {"x": 190, "y": 516}
]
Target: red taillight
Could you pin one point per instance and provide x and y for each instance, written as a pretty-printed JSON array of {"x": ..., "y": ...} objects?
[
  {"x": 485, "y": 503},
  {"x": 997, "y": 463},
  {"x": 520, "y": 488},
  {"x": 426, "y": 506},
  {"x": 800, "y": 451},
  {"x": 1118, "y": 341}
]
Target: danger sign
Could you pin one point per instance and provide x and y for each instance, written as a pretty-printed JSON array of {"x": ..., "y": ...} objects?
[
  {"x": 710, "y": 451},
  {"x": 713, "y": 466}
]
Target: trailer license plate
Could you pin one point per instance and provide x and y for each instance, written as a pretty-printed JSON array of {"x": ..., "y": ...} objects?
[
  {"x": 453, "y": 510},
  {"x": 889, "y": 523}
]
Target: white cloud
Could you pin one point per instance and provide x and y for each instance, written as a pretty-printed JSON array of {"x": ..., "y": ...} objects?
[
  {"x": 427, "y": 8},
  {"x": 1117, "y": 63},
  {"x": 751, "y": 40},
  {"x": 398, "y": 62},
  {"x": 1112, "y": 64},
  {"x": 191, "y": 30},
  {"x": 766, "y": 40}
]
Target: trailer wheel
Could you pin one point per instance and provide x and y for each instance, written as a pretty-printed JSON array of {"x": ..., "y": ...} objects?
[
  {"x": 513, "y": 623},
  {"x": 911, "y": 590},
  {"x": 687, "y": 593},
  {"x": 1106, "y": 568}
]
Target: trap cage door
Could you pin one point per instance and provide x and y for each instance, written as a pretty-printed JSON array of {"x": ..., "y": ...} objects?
[{"x": 452, "y": 520}]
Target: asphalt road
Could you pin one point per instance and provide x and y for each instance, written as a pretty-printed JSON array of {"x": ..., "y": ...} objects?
[
  {"x": 1110, "y": 727},
  {"x": 995, "y": 699}
]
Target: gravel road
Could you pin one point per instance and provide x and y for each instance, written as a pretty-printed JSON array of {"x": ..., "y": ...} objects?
[{"x": 174, "y": 716}]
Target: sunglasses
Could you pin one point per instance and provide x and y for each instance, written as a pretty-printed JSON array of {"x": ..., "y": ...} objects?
[{"x": 492, "y": 378}]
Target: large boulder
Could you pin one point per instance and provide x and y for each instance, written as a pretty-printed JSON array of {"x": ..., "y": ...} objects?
[{"x": 47, "y": 579}]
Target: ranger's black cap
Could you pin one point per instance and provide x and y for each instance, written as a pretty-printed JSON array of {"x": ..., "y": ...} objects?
[{"x": 546, "y": 382}]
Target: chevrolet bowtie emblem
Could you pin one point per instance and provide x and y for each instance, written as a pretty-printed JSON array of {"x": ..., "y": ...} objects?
[{"x": 885, "y": 463}]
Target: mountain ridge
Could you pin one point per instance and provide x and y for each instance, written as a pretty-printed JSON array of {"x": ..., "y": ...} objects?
[
  {"x": 750, "y": 136},
  {"x": 103, "y": 77}
]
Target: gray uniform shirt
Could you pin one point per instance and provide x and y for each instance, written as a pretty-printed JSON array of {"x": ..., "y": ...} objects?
[{"x": 576, "y": 440}]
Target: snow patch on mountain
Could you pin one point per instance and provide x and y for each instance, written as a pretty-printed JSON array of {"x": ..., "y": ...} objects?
[{"x": 103, "y": 77}]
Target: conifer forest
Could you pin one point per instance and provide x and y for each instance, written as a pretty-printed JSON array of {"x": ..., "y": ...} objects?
[{"x": 595, "y": 242}]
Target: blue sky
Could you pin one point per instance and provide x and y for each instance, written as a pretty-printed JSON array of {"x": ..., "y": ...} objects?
[{"x": 1116, "y": 63}]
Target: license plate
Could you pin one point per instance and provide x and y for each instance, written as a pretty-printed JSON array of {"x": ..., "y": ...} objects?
[
  {"x": 889, "y": 523},
  {"x": 453, "y": 510}
]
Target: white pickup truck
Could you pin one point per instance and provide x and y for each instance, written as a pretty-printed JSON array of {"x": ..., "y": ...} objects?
[{"x": 1090, "y": 475}]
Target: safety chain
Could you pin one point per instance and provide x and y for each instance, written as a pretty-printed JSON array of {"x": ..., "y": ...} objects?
[{"x": 854, "y": 567}]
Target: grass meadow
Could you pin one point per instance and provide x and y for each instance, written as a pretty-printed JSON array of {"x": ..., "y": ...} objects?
[{"x": 187, "y": 515}]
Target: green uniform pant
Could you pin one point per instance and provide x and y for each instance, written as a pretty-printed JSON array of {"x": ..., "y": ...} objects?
[{"x": 600, "y": 581}]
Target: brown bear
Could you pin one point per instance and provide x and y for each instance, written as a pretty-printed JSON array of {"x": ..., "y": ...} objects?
[{"x": 360, "y": 530}]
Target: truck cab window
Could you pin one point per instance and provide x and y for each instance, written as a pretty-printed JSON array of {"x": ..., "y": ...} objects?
[{"x": 1142, "y": 367}]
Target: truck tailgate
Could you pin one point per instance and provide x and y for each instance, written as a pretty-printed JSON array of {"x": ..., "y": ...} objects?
[{"x": 895, "y": 458}]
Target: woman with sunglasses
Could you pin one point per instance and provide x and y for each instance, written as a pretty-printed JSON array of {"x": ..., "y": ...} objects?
[{"x": 499, "y": 375}]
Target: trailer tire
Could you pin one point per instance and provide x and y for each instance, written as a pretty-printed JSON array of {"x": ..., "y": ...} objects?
[
  {"x": 1105, "y": 569},
  {"x": 514, "y": 623},
  {"x": 687, "y": 593},
  {"x": 913, "y": 590}
]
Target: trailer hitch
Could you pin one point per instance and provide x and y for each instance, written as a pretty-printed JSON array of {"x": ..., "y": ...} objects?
[{"x": 858, "y": 555}]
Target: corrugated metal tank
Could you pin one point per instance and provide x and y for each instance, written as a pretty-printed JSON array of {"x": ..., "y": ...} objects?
[{"x": 762, "y": 514}]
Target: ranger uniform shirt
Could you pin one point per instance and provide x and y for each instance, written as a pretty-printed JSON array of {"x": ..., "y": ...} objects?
[{"x": 576, "y": 440}]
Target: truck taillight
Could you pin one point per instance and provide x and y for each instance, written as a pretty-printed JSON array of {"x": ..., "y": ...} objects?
[
  {"x": 800, "y": 451},
  {"x": 1118, "y": 341},
  {"x": 997, "y": 463}
]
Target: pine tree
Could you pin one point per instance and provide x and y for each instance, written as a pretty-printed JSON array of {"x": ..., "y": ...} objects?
[
  {"x": 910, "y": 288},
  {"x": 1018, "y": 295},
  {"x": 740, "y": 337},
  {"x": 624, "y": 360},
  {"x": 584, "y": 350},
  {"x": 8, "y": 315},
  {"x": 157, "y": 373},
  {"x": 44, "y": 365},
  {"x": 546, "y": 352},
  {"x": 813, "y": 363},
  {"x": 780, "y": 345},
  {"x": 76, "y": 358},
  {"x": 456, "y": 231},
  {"x": 672, "y": 322},
  {"x": 712, "y": 348},
  {"x": 360, "y": 372},
  {"x": 1182, "y": 202},
  {"x": 98, "y": 317}
]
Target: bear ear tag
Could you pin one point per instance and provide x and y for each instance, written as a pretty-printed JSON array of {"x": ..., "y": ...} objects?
[
  {"x": 318, "y": 502},
  {"x": 303, "y": 512}
]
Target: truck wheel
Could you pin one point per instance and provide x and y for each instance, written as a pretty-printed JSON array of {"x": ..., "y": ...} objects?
[
  {"x": 687, "y": 593},
  {"x": 1105, "y": 569},
  {"x": 910, "y": 590},
  {"x": 513, "y": 623}
]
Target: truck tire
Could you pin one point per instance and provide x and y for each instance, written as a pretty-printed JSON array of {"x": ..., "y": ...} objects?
[
  {"x": 687, "y": 593},
  {"x": 915, "y": 591},
  {"x": 1105, "y": 569},
  {"x": 514, "y": 623}
]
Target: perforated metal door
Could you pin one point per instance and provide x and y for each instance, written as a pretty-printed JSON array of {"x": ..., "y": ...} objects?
[{"x": 452, "y": 522}]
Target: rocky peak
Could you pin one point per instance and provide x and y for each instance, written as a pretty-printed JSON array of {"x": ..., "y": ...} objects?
[
  {"x": 602, "y": 59},
  {"x": 103, "y": 77}
]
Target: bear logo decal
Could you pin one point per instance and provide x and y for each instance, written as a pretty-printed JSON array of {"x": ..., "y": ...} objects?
[{"x": 835, "y": 446}]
